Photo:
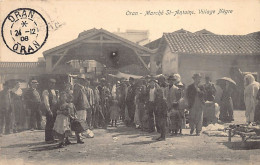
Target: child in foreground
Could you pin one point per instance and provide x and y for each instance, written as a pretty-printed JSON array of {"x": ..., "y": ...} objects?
[{"x": 62, "y": 122}]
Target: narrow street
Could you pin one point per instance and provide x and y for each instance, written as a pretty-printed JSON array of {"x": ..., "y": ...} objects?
[{"x": 124, "y": 145}]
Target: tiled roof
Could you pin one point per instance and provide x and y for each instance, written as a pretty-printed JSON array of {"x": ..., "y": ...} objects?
[
  {"x": 21, "y": 64},
  {"x": 213, "y": 44}
]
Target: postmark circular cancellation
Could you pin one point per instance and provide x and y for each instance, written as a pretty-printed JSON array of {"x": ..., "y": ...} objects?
[{"x": 24, "y": 31}]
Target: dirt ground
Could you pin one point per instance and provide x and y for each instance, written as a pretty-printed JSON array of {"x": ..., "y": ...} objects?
[{"x": 124, "y": 145}]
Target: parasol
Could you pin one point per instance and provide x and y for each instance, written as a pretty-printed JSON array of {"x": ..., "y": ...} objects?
[{"x": 222, "y": 81}]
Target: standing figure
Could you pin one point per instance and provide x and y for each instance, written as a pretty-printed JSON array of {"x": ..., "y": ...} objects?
[
  {"x": 50, "y": 100},
  {"x": 33, "y": 102},
  {"x": 137, "y": 118},
  {"x": 250, "y": 94},
  {"x": 196, "y": 101},
  {"x": 161, "y": 113},
  {"x": 176, "y": 119},
  {"x": 114, "y": 112},
  {"x": 171, "y": 92},
  {"x": 163, "y": 84},
  {"x": 257, "y": 109},
  {"x": 62, "y": 123},
  {"x": 171, "y": 98},
  {"x": 142, "y": 98},
  {"x": 80, "y": 98},
  {"x": 210, "y": 90},
  {"x": 130, "y": 100},
  {"x": 105, "y": 96},
  {"x": 122, "y": 102},
  {"x": 180, "y": 99},
  {"x": 98, "y": 116},
  {"x": 6, "y": 110},
  {"x": 91, "y": 100},
  {"x": 152, "y": 118},
  {"x": 226, "y": 104},
  {"x": 19, "y": 109}
]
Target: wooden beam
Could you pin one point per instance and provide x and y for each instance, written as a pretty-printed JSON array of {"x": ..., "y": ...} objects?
[
  {"x": 140, "y": 58},
  {"x": 100, "y": 41},
  {"x": 59, "y": 60}
]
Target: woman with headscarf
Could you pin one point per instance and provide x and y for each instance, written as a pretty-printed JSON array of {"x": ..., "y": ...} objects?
[{"x": 250, "y": 93}]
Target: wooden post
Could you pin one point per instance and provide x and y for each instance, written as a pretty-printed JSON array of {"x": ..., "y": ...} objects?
[{"x": 229, "y": 135}]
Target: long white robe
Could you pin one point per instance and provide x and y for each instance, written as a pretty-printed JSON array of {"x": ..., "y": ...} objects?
[{"x": 250, "y": 94}]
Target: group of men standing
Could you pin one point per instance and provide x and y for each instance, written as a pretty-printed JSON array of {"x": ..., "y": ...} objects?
[
  {"x": 142, "y": 97},
  {"x": 19, "y": 109},
  {"x": 137, "y": 100}
]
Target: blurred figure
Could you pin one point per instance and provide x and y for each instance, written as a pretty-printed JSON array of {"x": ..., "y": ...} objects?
[
  {"x": 19, "y": 109},
  {"x": 257, "y": 109},
  {"x": 209, "y": 89},
  {"x": 152, "y": 94},
  {"x": 91, "y": 101},
  {"x": 96, "y": 114},
  {"x": 122, "y": 102},
  {"x": 6, "y": 110},
  {"x": 105, "y": 96},
  {"x": 50, "y": 100},
  {"x": 33, "y": 101},
  {"x": 171, "y": 92},
  {"x": 161, "y": 113},
  {"x": 130, "y": 99},
  {"x": 196, "y": 101},
  {"x": 114, "y": 112},
  {"x": 250, "y": 94},
  {"x": 226, "y": 104},
  {"x": 180, "y": 100}
]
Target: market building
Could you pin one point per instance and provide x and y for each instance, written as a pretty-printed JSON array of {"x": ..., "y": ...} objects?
[
  {"x": 95, "y": 52},
  {"x": 203, "y": 52}
]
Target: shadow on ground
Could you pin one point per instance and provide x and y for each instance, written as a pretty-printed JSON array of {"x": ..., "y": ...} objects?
[
  {"x": 248, "y": 145},
  {"x": 24, "y": 145}
]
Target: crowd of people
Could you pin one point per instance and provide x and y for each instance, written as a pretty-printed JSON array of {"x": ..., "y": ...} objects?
[{"x": 150, "y": 104}]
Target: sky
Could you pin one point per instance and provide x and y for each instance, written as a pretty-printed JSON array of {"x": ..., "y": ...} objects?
[{"x": 73, "y": 17}]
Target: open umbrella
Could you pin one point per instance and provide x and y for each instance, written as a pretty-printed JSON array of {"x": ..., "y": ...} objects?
[{"x": 222, "y": 82}]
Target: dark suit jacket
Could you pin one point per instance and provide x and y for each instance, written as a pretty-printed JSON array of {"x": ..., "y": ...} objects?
[{"x": 192, "y": 92}]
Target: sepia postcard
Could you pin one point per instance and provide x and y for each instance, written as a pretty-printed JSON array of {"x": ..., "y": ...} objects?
[{"x": 130, "y": 82}]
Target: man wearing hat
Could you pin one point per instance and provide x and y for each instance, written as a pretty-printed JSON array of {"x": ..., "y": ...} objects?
[
  {"x": 196, "y": 101},
  {"x": 171, "y": 92},
  {"x": 50, "y": 100},
  {"x": 33, "y": 100},
  {"x": 151, "y": 105}
]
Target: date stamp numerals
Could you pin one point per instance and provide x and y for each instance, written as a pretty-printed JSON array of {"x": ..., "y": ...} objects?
[{"x": 24, "y": 31}]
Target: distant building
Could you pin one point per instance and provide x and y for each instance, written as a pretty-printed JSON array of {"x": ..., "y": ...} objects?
[
  {"x": 210, "y": 54},
  {"x": 140, "y": 37},
  {"x": 94, "y": 52}
]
